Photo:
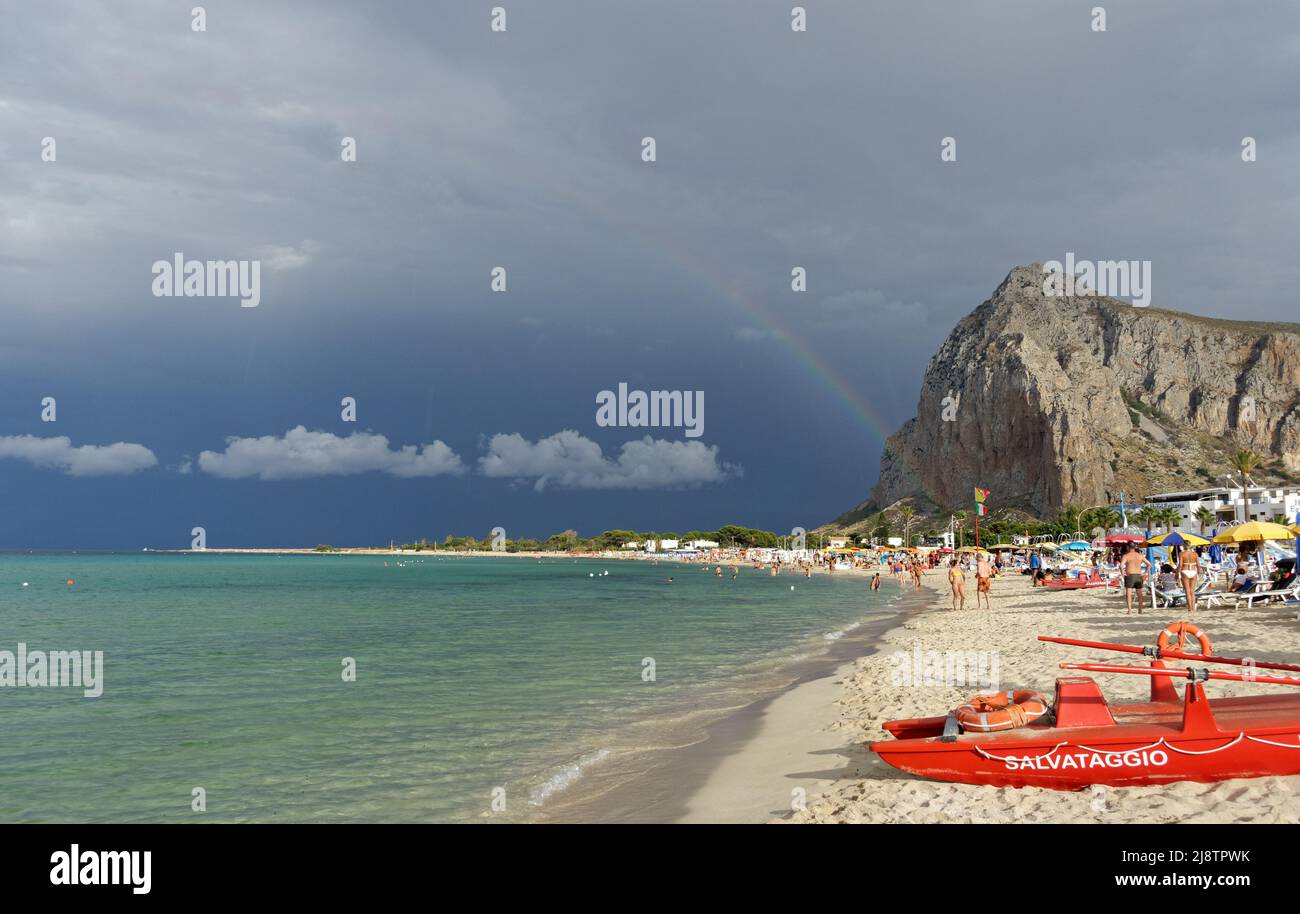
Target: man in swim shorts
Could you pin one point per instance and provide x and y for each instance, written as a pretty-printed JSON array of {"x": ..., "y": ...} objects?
[
  {"x": 983, "y": 575},
  {"x": 1133, "y": 566}
]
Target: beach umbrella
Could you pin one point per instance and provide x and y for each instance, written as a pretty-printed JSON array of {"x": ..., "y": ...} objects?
[
  {"x": 1001, "y": 547},
  {"x": 1116, "y": 539},
  {"x": 1077, "y": 546},
  {"x": 1178, "y": 538},
  {"x": 1255, "y": 531}
]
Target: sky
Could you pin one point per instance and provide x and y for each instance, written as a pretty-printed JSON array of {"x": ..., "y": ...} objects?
[{"x": 523, "y": 149}]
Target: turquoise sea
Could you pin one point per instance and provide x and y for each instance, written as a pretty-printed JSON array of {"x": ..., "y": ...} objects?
[{"x": 476, "y": 678}]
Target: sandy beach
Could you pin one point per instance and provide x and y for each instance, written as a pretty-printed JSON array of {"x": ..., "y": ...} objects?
[{"x": 863, "y": 789}]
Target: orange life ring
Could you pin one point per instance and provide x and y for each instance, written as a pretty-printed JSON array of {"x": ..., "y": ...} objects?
[
  {"x": 1001, "y": 711},
  {"x": 1181, "y": 631}
]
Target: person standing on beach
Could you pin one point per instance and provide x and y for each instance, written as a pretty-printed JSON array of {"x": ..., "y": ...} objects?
[
  {"x": 1189, "y": 571},
  {"x": 1133, "y": 565},
  {"x": 983, "y": 580},
  {"x": 1035, "y": 564},
  {"x": 957, "y": 580}
]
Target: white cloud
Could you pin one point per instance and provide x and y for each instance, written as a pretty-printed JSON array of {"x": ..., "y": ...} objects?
[
  {"x": 568, "y": 460},
  {"x": 86, "y": 460},
  {"x": 301, "y": 454},
  {"x": 288, "y": 257}
]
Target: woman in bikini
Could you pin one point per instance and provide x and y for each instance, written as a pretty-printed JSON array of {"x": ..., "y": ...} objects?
[
  {"x": 1189, "y": 570},
  {"x": 957, "y": 579}
]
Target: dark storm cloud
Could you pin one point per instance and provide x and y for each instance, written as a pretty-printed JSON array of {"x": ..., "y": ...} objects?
[{"x": 521, "y": 149}]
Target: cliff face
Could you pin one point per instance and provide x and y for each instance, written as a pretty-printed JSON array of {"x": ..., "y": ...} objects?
[{"x": 1074, "y": 399}]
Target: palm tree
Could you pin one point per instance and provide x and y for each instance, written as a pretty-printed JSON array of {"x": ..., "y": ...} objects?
[
  {"x": 1245, "y": 462},
  {"x": 1104, "y": 518},
  {"x": 1170, "y": 517},
  {"x": 906, "y": 515},
  {"x": 1145, "y": 516},
  {"x": 1204, "y": 516}
]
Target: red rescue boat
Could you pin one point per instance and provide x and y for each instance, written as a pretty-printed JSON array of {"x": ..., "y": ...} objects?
[
  {"x": 1085, "y": 740},
  {"x": 1082, "y": 582}
]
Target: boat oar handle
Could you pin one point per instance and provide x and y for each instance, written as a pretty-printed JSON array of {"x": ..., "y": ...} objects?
[
  {"x": 1178, "y": 672},
  {"x": 1168, "y": 653}
]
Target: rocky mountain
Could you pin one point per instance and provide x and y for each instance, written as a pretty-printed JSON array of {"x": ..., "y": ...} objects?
[{"x": 1048, "y": 399}]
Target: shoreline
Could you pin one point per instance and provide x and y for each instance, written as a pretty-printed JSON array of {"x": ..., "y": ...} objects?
[{"x": 742, "y": 766}]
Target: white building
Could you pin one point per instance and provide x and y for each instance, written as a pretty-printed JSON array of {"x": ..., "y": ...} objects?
[
  {"x": 667, "y": 545},
  {"x": 1265, "y": 503},
  {"x": 837, "y": 542},
  {"x": 632, "y": 545},
  {"x": 701, "y": 544}
]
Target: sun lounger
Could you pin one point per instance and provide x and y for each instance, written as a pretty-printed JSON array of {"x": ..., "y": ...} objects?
[
  {"x": 1177, "y": 597},
  {"x": 1253, "y": 593},
  {"x": 1289, "y": 592}
]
